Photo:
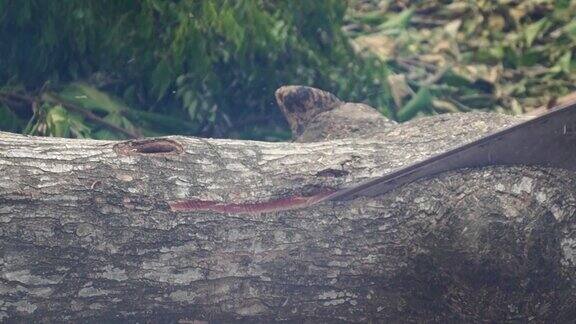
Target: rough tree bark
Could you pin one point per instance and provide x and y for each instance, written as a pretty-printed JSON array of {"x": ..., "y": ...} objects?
[{"x": 98, "y": 231}]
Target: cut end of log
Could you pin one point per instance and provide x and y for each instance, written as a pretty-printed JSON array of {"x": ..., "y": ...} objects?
[{"x": 300, "y": 104}]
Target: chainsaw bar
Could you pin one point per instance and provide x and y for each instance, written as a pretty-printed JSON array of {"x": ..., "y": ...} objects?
[{"x": 547, "y": 141}]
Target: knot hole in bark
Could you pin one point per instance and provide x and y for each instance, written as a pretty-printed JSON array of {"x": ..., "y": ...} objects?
[{"x": 148, "y": 146}]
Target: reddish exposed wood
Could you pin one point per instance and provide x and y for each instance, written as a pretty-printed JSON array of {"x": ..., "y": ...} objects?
[{"x": 289, "y": 203}]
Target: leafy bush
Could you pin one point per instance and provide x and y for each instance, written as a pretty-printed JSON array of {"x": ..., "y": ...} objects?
[{"x": 109, "y": 69}]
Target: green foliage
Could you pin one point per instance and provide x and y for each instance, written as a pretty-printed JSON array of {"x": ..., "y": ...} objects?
[
  {"x": 419, "y": 102},
  {"x": 8, "y": 119},
  {"x": 155, "y": 67},
  {"x": 509, "y": 56}
]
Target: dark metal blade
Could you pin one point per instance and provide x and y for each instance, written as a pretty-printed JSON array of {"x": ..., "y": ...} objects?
[{"x": 548, "y": 141}]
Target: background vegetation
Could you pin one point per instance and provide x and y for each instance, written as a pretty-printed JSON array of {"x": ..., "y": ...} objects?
[
  {"x": 117, "y": 69},
  {"x": 108, "y": 69},
  {"x": 505, "y": 55}
]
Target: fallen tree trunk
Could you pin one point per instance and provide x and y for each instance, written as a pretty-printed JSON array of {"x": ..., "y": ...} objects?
[{"x": 184, "y": 229}]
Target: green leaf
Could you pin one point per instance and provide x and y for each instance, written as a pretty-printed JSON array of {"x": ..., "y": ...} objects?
[
  {"x": 57, "y": 121},
  {"x": 570, "y": 29},
  {"x": 78, "y": 126},
  {"x": 564, "y": 64},
  {"x": 420, "y": 101},
  {"x": 398, "y": 21},
  {"x": 371, "y": 18},
  {"x": 162, "y": 78},
  {"x": 516, "y": 107},
  {"x": 115, "y": 119},
  {"x": 534, "y": 30},
  {"x": 209, "y": 12},
  {"x": 231, "y": 29},
  {"x": 91, "y": 98}
]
